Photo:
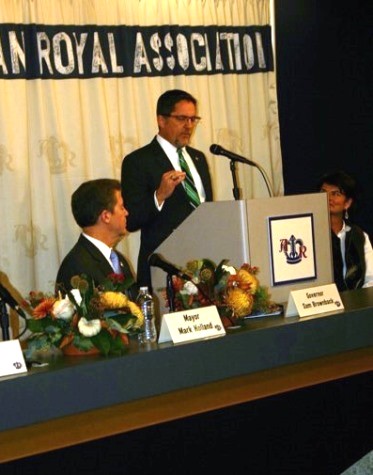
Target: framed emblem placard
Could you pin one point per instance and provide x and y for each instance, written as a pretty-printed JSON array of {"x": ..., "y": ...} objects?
[{"x": 292, "y": 248}]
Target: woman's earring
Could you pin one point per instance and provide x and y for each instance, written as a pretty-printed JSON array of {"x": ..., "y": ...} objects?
[{"x": 346, "y": 214}]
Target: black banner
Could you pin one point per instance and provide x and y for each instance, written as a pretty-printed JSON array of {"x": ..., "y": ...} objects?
[{"x": 65, "y": 51}]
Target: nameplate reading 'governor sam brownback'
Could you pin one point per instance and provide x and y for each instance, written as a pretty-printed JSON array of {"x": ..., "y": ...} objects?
[
  {"x": 189, "y": 325},
  {"x": 314, "y": 300}
]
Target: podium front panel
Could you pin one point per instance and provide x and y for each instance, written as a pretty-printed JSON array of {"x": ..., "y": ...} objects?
[{"x": 215, "y": 230}]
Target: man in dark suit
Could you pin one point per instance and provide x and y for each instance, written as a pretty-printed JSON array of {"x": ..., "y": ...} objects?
[
  {"x": 98, "y": 209},
  {"x": 154, "y": 181}
]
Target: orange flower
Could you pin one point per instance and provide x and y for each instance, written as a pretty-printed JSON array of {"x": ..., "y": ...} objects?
[
  {"x": 124, "y": 338},
  {"x": 177, "y": 283},
  {"x": 44, "y": 308},
  {"x": 247, "y": 281}
]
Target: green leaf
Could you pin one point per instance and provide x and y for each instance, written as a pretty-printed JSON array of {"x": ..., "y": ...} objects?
[
  {"x": 127, "y": 283},
  {"x": 122, "y": 323},
  {"x": 185, "y": 299},
  {"x": 102, "y": 341},
  {"x": 82, "y": 342},
  {"x": 39, "y": 325},
  {"x": 262, "y": 299},
  {"x": 117, "y": 346}
]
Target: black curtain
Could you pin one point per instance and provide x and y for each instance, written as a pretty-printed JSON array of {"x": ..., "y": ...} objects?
[{"x": 324, "y": 53}]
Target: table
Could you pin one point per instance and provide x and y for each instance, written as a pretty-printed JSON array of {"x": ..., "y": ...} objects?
[{"x": 86, "y": 398}]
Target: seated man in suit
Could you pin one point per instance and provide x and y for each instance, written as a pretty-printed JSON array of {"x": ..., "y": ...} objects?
[
  {"x": 97, "y": 206},
  {"x": 164, "y": 181}
]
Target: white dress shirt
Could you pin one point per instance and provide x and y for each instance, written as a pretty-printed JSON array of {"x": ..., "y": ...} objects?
[
  {"x": 171, "y": 152},
  {"x": 368, "y": 253}
]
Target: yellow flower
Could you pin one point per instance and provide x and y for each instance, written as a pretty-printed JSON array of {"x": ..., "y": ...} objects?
[
  {"x": 135, "y": 310},
  {"x": 247, "y": 281},
  {"x": 111, "y": 300},
  {"x": 240, "y": 301},
  {"x": 116, "y": 300}
]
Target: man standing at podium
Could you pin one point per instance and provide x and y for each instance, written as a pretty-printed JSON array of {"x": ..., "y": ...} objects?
[{"x": 164, "y": 181}]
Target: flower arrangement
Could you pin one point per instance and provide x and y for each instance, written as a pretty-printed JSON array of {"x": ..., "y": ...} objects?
[
  {"x": 237, "y": 293},
  {"x": 87, "y": 317}
]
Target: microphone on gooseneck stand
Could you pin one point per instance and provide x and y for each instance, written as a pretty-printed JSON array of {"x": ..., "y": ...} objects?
[
  {"x": 218, "y": 150},
  {"x": 156, "y": 260},
  {"x": 7, "y": 298}
]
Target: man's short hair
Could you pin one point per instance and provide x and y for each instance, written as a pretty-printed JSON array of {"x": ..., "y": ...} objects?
[
  {"x": 91, "y": 198},
  {"x": 168, "y": 100}
]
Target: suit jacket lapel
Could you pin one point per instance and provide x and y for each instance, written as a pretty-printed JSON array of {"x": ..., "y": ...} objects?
[
  {"x": 96, "y": 255},
  {"x": 161, "y": 157},
  {"x": 196, "y": 161}
]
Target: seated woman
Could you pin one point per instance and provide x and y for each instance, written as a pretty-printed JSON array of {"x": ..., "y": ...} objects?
[{"x": 352, "y": 250}]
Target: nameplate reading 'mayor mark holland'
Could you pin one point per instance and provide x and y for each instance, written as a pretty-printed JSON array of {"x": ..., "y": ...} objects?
[{"x": 189, "y": 325}]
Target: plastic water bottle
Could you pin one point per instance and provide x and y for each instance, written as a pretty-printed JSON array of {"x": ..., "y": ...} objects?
[{"x": 145, "y": 302}]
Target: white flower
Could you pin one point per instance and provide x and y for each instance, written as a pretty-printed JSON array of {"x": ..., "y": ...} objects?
[
  {"x": 89, "y": 327},
  {"x": 63, "y": 309},
  {"x": 230, "y": 269},
  {"x": 77, "y": 296},
  {"x": 190, "y": 288}
]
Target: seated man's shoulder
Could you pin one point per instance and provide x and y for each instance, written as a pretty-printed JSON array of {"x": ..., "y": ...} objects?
[
  {"x": 77, "y": 252},
  {"x": 73, "y": 263}
]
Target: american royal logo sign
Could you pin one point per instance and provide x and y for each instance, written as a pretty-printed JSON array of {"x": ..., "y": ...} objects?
[{"x": 64, "y": 51}]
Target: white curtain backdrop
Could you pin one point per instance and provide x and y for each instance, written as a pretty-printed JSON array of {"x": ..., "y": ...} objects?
[{"x": 55, "y": 134}]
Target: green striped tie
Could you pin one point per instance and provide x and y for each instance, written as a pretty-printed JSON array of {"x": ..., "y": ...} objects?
[{"x": 189, "y": 185}]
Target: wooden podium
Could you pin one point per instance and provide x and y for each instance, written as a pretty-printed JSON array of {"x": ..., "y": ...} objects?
[{"x": 239, "y": 231}]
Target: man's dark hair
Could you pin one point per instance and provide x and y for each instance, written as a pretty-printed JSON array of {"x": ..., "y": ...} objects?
[
  {"x": 91, "y": 198},
  {"x": 168, "y": 100}
]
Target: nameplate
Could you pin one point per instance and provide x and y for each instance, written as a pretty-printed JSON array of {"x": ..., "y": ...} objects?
[
  {"x": 314, "y": 300},
  {"x": 189, "y": 325},
  {"x": 11, "y": 358}
]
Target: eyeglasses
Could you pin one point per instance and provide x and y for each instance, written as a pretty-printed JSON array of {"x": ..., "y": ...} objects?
[
  {"x": 334, "y": 193},
  {"x": 184, "y": 119}
]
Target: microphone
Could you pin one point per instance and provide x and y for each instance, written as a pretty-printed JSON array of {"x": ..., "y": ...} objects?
[
  {"x": 218, "y": 150},
  {"x": 11, "y": 301},
  {"x": 156, "y": 260}
]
